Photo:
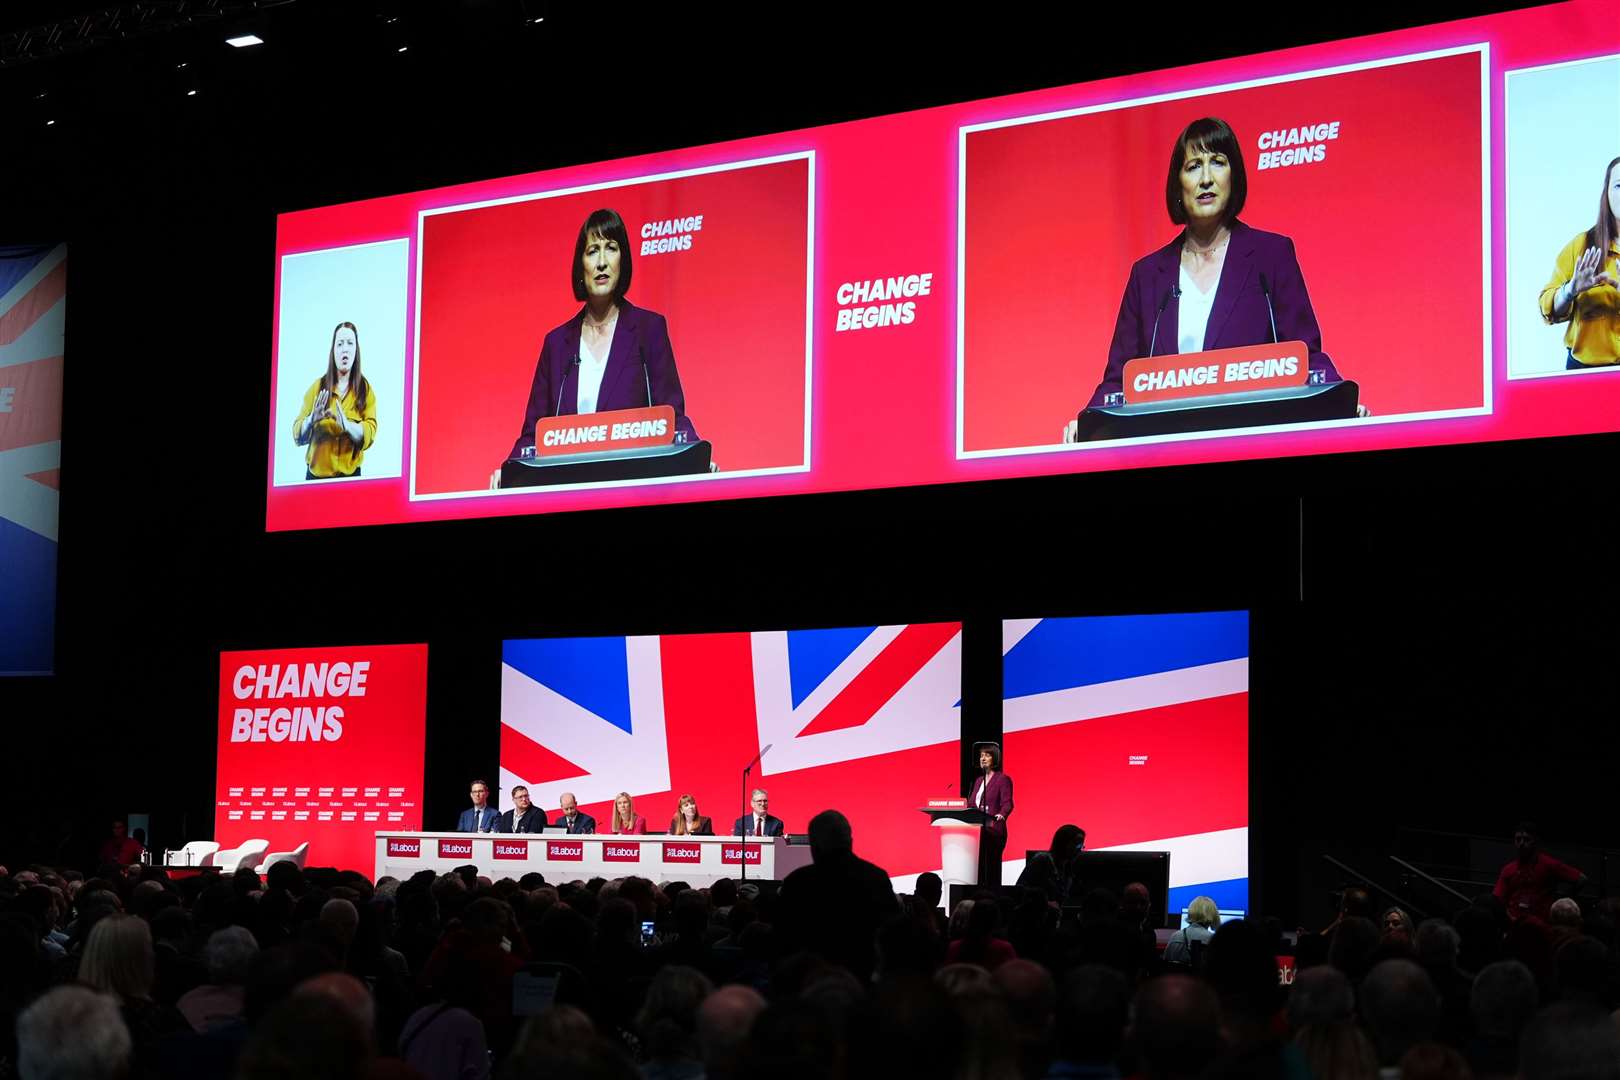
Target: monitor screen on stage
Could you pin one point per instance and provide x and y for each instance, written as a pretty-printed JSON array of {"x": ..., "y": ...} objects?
[
  {"x": 33, "y": 313},
  {"x": 319, "y": 749},
  {"x": 865, "y": 720},
  {"x": 1366, "y": 244},
  {"x": 1136, "y": 729}
]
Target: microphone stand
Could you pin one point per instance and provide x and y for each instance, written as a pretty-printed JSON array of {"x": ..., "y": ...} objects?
[{"x": 747, "y": 770}]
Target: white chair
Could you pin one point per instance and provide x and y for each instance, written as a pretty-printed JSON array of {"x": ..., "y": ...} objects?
[
  {"x": 248, "y": 854},
  {"x": 196, "y": 853},
  {"x": 295, "y": 856}
]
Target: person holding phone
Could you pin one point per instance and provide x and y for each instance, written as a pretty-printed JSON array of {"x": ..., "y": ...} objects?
[{"x": 337, "y": 422}]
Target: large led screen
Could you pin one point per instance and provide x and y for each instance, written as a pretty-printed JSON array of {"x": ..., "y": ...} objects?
[
  {"x": 866, "y": 720},
  {"x": 318, "y": 750},
  {"x": 1359, "y": 245},
  {"x": 33, "y": 313},
  {"x": 1136, "y": 729}
]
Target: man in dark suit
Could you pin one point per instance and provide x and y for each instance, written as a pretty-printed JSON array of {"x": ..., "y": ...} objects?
[
  {"x": 834, "y": 906},
  {"x": 759, "y": 823},
  {"x": 524, "y": 817},
  {"x": 482, "y": 817},
  {"x": 571, "y": 818}
]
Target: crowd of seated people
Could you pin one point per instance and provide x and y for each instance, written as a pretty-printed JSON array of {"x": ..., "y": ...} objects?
[{"x": 311, "y": 974}]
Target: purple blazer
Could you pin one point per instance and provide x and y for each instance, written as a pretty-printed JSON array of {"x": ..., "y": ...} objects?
[
  {"x": 641, "y": 336},
  {"x": 1239, "y": 316},
  {"x": 997, "y": 798}
]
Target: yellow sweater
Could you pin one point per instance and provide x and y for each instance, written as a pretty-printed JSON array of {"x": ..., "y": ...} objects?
[
  {"x": 1594, "y": 322},
  {"x": 331, "y": 452}
]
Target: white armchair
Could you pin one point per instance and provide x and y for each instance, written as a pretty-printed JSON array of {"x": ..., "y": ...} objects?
[
  {"x": 195, "y": 853},
  {"x": 296, "y": 856},
  {"x": 248, "y": 854}
]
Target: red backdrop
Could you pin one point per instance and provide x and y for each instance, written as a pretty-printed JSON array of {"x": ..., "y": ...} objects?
[
  {"x": 1387, "y": 229},
  {"x": 367, "y": 779},
  {"x": 493, "y": 285}
]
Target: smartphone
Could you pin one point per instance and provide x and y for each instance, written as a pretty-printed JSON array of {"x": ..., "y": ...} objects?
[{"x": 647, "y": 932}]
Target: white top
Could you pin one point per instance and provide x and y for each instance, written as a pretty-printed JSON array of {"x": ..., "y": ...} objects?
[
  {"x": 591, "y": 368},
  {"x": 1194, "y": 315}
]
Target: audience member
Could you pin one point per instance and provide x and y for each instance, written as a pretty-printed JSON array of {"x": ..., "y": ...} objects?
[
  {"x": 1400, "y": 1007},
  {"x": 1175, "y": 1027},
  {"x": 1203, "y": 918},
  {"x": 72, "y": 1033},
  {"x": 1528, "y": 883},
  {"x": 1320, "y": 996},
  {"x": 229, "y": 955}
]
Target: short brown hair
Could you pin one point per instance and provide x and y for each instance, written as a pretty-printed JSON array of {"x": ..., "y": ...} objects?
[
  {"x": 608, "y": 225},
  {"x": 1216, "y": 136}
]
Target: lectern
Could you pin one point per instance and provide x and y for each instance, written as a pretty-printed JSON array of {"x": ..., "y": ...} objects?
[{"x": 958, "y": 825}]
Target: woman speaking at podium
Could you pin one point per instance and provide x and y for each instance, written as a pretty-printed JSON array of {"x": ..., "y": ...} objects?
[
  {"x": 992, "y": 793},
  {"x": 1219, "y": 284},
  {"x": 1585, "y": 286},
  {"x": 338, "y": 419},
  {"x": 611, "y": 354}
]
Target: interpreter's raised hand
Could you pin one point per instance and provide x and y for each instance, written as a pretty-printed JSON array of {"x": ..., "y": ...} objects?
[
  {"x": 495, "y": 479},
  {"x": 1588, "y": 271},
  {"x": 1071, "y": 431}
]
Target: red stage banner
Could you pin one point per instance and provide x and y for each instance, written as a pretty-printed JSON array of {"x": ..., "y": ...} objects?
[{"x": 320, "y": 747}]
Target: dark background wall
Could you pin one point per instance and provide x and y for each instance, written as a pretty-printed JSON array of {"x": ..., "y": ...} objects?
[{"x": 1432, "y": 629}]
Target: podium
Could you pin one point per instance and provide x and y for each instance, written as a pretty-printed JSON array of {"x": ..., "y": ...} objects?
[
  {"x": 636, "y": 463},
  {"x": 1214, "y": 412},
  {"x": 958, "y": 825}
]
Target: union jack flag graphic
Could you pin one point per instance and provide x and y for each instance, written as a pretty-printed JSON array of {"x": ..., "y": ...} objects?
[
  {"x": 865, "y": 720},
  {"x": 1135, "y": 728},
  {"x": 33, "y": 303}
]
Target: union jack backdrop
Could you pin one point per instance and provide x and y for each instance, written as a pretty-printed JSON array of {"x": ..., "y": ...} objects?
[
  {"x": 33, "y": 304},
  {"x": 866, "y": 720},
  {"x": 1135, "y": 728}
]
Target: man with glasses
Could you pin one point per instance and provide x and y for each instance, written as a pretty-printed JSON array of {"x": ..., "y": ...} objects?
[{"x": 482, "y": 817}]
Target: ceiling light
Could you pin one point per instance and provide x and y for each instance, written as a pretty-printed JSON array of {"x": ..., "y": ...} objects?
[{"x": 242, "y": 41}]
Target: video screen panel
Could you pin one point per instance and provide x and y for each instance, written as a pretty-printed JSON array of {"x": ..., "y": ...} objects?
[
  {"x": 318, "y": 750},
  {"x": 1136, "y": 729},
  {"x": 33, "y": 314},
  {"x": 1360, "y": 245},
  {"x": 865, "y": 720}
]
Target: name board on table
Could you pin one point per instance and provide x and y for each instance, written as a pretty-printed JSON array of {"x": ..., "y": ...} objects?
[
  {"x": 675, "y": 852},
  {"x": 455, "y": 849},
  {"x": 398, "y": 847},
  {"x": 1219, "y": 371},
  {"x": 738, "y": 854},
  {"x": 511, "y": 849},
  {"x": 565, "y": 850},
  {"x": 621, "y": 429},
  {"x": 620, "y": 851}
]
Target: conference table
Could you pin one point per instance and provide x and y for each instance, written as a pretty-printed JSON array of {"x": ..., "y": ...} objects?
[{"x": 696, "y": 860}]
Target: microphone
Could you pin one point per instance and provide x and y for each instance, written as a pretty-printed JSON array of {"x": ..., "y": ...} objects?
[
  {"x": 564, "y": 385},
  {"x": 1175, "y": 291},
  {"x": 645, "y": 378},
  {"x": 1269, "y": 312}
]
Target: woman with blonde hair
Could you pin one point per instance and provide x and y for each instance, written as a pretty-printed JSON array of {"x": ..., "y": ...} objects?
[
  {"x": 1202, "y": 919},
  {"x": 625, "y": 818},
  {"x": 687, "y": 821},
  {"x": 118, "y": 960}
]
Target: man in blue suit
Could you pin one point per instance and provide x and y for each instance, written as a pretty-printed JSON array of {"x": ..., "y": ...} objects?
[
  {"x": 482, "y": 817},
  {"x": 758, "y": 823},
  {"x": 571, "y": 818}
]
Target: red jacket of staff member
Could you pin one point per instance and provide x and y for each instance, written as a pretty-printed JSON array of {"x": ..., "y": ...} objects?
[{"x": 120, "y": 848}]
